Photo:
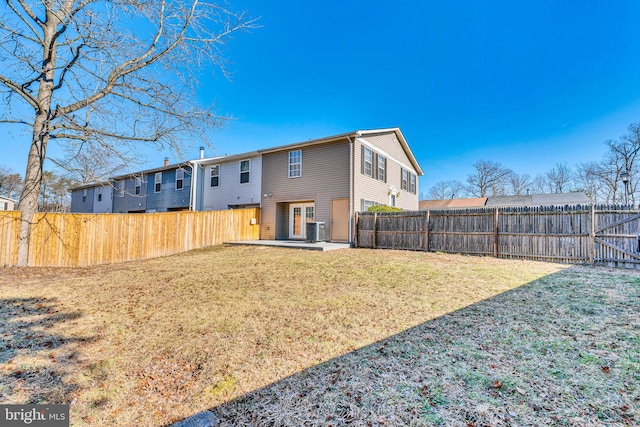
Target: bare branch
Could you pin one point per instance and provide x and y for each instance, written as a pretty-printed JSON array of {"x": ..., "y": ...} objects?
[{"x": 19, "y": 89}]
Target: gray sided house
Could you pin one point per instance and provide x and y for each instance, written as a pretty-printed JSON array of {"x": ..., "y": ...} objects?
[
  {"x": 329, "y": 179},
  {"x": 7, "y": 204},
  {"x": 229, "y": 182},
  {"x": 163, "y": 189},
  {"x": 130, "y": 193},
  {"x": 92, "y": 198}
]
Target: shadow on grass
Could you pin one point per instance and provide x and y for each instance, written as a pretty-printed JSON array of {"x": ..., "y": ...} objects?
[
  {"x": 563, "y": 350},
  {"x": 34, "y": 359}
]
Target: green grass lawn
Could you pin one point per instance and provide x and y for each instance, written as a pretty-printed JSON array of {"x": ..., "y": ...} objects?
[{"x": 269, "y": 336}]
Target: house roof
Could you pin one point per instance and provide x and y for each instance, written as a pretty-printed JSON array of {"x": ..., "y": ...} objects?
[
  {"x": 477, "y": 202},
  {"x": 154, "y": 170},
  {"x": 354, "y": 135},
  {"x": 230, "y": 158},
  {"x": 91, "y": 185},
  {"x": 539, "y": 200},
  {"x": 8, "y": 199},
  {"x": 561, "y": 199}
]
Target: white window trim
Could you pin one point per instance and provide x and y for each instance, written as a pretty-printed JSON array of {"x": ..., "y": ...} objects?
[
  {"x": 179, "y": 172},
  {"x": 365, "y": 162},
  {"x": 385, "y": 154},
  {"x": 156, "y": 182},
  {"x": 138, "y": 184},
  {"x": 289, "y": 164},
  {"x": 384, "y": 168},
  {"x": 211, "y": 176},
  {"x": 247, "y": 171}
]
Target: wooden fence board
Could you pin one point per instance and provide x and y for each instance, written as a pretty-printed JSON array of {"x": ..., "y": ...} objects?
[
  {"x": 570, "y": 234},
  {"x": 9, "y": 234},
  {"x": 76, "y": 240}
]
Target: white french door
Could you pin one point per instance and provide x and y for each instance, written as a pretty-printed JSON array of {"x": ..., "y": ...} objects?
[{"x": 299, "y": 214}]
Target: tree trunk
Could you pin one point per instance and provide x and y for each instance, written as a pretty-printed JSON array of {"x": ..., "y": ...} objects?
[
  {"x": 32, "y": 183},
  {"x": 28, "y": 204}
]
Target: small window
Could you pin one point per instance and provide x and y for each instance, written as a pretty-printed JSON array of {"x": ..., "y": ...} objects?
[
  {"x": 158, "y": 182},
  {"x": 179, "y": 179},
  {"x": 412, "y": 183},
  {"x": 382, "y": 168},
  {"x": 245, "y": 166},
  {"x": 99, "y": 194},
  {"x": 366, "y": 204},
  {"x": 138, "y": 186},
  {"x": 404, "y": 180},
  {"x": 84, "y": 195},
  {"x": 295, "y": 164},
  {"x": 121, "y": 188},
  {"x": 367, "y": 161},
  {"x": 215, "y": 176}
]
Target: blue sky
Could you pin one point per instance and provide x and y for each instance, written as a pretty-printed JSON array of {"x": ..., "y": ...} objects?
[{"x": 526, "y": 84}]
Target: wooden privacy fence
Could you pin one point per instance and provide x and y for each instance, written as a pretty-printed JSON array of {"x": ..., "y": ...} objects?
[
  {"x": 76, "y": 240},
  {"x": 597, "y": 234}
]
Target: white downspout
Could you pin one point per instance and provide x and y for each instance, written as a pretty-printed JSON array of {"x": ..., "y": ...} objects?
[
  {"x": 194, "y": 184},
  {"x": 351, "y": 189}
]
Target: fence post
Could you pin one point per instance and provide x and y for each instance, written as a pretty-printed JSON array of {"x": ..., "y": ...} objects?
[
  {"x": 495, "y": 233},
  {"x": 592, "y": 234},
  {"x": 355, "y": 230},
  {"x": 426, "y": 232},
  {"x": 375, "y": 220}
]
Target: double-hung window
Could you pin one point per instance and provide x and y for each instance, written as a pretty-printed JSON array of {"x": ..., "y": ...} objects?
[
  {"x": 295, "y": 164},
  {"x": 84, "y": 195},
  {"x": 404, "y": 181},
  {"x": 138, "y": 186},
  {"x": 245, "y": 167},
  {"x": 215, "y": 176},
  {"x": 412, "y": 183},
  {"x": 382, "y": 168},
  {"x": 367, "y": 161},
  {"x": 179, "y": 179},
  {"x": 158, "y": 182},
  {"x": 121, "y": 188}
]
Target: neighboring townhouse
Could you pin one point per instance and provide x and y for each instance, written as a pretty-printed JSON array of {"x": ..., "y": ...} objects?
[
  {"x": 163, "y": 189},
  {"x": 130, "y": 193},
  {"x": 169, "y": 188},
  {"x": 7, "y": 204},
  {"x": 329, "y": 179},
  {"x": 559, "y": 199},
  {"x": 92, "y": 198},
  {"x": 228, "y": 182}
]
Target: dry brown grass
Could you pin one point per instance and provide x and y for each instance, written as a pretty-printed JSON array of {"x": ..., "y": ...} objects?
[{"x": 354, "y": 336}]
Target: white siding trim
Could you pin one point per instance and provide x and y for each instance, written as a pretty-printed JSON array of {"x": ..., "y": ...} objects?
[{"x": 385, "y": 154}]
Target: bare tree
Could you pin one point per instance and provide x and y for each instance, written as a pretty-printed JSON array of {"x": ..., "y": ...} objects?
[
  {"x": 111, "y": 73},
  {"x": 599, "y": 181},
  {"x": 519, "y": 184},
  {"x": 92, "y": 163},
  {"x": 10, "y": 183},
  {"x": 489, "y": 179},
  {"x": 625, "y": 152},
  {"x": 560, "y": 178},
  {"x": 445, "y": 190}
]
